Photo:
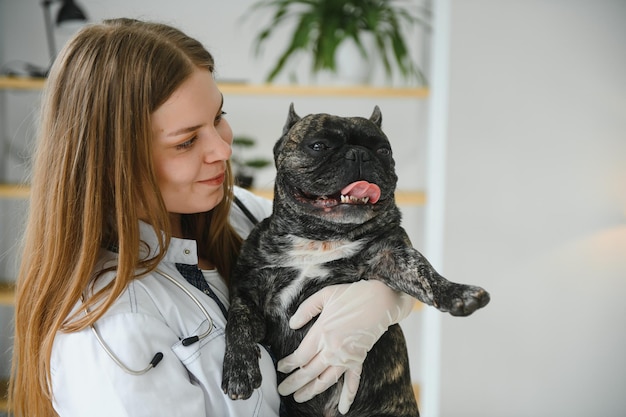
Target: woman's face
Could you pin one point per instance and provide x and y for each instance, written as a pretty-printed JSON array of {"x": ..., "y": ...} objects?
[{"x": 191, "y": 144}]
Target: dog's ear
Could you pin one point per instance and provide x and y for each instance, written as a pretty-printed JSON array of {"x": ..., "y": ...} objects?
[
  {"x": 377, "y": 117},
  {"x": 292, "y": 119}
]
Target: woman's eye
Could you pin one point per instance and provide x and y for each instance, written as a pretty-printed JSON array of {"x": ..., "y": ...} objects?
[
  {"x": 220, "y": 116},
  {"x": 187, "y": 144}
]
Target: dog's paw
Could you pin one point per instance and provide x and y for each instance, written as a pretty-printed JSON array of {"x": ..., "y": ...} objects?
[
  {"x": 241, "y": 374},
  {"x": 463, "y": 300}
]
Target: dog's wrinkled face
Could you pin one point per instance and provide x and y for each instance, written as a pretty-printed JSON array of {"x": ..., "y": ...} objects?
[{"x": 340, "y": 169}]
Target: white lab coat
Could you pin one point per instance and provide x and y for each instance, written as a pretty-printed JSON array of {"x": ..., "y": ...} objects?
[{"x": 151, "y": 316}]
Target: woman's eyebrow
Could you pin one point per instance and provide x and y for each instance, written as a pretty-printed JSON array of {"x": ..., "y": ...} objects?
[
  {"x": 184, "y": 130},
  {"x": 189, "y": 129}
]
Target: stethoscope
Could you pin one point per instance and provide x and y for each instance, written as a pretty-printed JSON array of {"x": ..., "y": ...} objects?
[{"x": 187, "y": 341}]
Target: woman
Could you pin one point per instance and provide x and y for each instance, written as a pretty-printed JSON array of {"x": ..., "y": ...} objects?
[{"x": 122, "y": 289}]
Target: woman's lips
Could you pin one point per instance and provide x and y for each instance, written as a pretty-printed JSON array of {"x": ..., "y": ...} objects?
[{"x": 217, "y": 180}]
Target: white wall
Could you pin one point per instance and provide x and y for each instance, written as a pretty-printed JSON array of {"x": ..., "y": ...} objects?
[
  {"x": 536, "y": 194},
  {"x": 537, "y": 208}
]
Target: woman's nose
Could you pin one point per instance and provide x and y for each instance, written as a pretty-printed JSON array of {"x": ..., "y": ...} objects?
[{"x": 217, "y": 149}]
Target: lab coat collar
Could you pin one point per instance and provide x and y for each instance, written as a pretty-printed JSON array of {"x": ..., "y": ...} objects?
[{"x": 183, "y": 251}]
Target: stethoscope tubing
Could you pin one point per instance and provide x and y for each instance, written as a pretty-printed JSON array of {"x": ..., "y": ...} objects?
[{"x": 159, "y": 355}]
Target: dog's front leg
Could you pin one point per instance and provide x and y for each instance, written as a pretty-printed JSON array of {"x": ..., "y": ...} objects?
[
  {"x": 245, "y": 328},
  {"x": 457, "y": 299},
  {"x": 405, "y": 269}
]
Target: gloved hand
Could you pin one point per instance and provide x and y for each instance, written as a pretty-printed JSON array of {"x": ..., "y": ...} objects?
[{"x": 353, "y": 317}]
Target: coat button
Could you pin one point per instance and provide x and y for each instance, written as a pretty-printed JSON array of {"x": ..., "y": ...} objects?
[{"x": 187, "y": 251}]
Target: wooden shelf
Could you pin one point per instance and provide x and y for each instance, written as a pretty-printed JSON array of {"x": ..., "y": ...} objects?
[
  {"x": 4, "y": 388},
  {"x": 21, "y": 83},
  {"x": 409, "y": 198},
  {"x": 7, "y": 294},
  {"x": 14, "y": 191},
  {"x": 320, "y": 91},
  {"x": 27, "y": 83},
  {"x": 416, "y": 391}
]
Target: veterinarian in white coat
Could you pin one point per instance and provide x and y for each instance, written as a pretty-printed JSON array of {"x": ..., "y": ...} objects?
[
  {"x": 149, "y": 317},
  {"x": 121, "y": 295}
]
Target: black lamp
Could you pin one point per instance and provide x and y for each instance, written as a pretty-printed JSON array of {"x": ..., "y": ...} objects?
[{"x": 69, "y": 11}]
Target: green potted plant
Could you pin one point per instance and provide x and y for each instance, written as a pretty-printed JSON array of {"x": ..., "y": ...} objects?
[
  {"x": 321, "y": 26},
  {"x": 244, "y": 167}
]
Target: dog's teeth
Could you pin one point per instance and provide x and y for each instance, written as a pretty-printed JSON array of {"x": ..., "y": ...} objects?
[{"x": 348, "y": 199}]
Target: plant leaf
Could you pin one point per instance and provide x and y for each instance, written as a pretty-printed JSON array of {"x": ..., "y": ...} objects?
[
  {"x": 243, "y": 141},
  {"x": 322, "y": 25}
]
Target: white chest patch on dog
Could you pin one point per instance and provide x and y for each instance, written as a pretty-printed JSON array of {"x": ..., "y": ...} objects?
[{"x": 309, "y": 256}]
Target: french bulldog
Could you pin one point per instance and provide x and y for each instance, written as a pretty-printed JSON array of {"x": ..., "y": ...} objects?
[{"x": 334, "y": 221}]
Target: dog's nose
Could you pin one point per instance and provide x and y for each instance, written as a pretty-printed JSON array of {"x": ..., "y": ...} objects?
[{"x": 358, "y": 155}]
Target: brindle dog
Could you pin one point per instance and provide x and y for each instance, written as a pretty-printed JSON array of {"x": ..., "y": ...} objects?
[{"x": 334, "y": 221}]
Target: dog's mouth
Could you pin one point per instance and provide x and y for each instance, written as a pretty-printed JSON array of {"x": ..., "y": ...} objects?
[{"x": 357, "y": 193}]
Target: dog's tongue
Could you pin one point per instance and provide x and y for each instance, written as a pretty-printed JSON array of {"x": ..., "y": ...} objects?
[{"x": 362, "y": 189}]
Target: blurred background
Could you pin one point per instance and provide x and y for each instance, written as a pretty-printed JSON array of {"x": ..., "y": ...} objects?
[{"x": 526, "y": 102}]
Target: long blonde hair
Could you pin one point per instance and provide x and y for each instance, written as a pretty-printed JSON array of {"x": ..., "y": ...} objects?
[{"x": 92, "y": 177}]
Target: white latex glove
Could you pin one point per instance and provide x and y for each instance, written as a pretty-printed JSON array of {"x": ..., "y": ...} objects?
[{"x": 353, "y": 317}]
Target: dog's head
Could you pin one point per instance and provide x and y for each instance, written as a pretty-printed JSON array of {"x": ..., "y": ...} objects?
[{"x": 337, "y": 169}]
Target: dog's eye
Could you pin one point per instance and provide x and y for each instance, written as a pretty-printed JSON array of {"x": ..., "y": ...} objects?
[
  {"x": 384, "y": 151},
  {"x": 319, "y": 146}
]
